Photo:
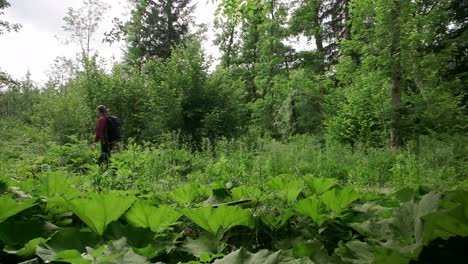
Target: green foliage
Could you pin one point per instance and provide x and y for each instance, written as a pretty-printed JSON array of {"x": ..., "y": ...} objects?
[
  {"x": 338, "y": 199},
  {"x": 319, "y": 185},
  {"x": 336, "y": 223},
  {"x": 65, "y": 114},
  {"x": 99, "y": 210},
  {"x": 313, "y": 208},
  {"x": 451, "y": 221},
  {"x": 66, "y": 244},
  {"x": 222, "y": 218},
  {"x": 11, "y": 207},
  {"x": 285, "y": 187},
  {"x": 302, "y": 133},
  {"x": 184, "y": 194},
  {"x": 263, "y": 256},
  {"x": 158, "y": 219}
]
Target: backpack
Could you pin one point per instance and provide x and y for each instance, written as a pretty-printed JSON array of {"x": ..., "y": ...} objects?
[{"x": 114, "y": 129}]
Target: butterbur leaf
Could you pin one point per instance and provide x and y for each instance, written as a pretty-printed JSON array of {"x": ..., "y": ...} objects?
[
  {"x": 66, "y": 239},
  {"x": 355, "y": 252},
  {"x": 448, "y": 222},
  {"x": 285, "y": 186},
  {"x": 71, "y": 256},
  {"x": 9, "y": 207},
  {"x": 212, "y": 219},
  {"x": 278, "y": 183},
  {"x": 389, "y": 256},
  {"x": 319, "y": 185},
  {"x": 98, "y": 210},
  {"x": 242, "y": 256},
  {"x": 142, "y": 240},
  {"x": 157, "y": 219},
  {"x": 246, "y": 192},
  {"x": 184, "y": 194},
  {"x": 56, "y": 183},
  {"x": 428, "y": 204},
  {"x": 117, "y": 252},
  {"x": 315, "y": 250},
  {"x": 293, "y": 189},
  {"x": 277, "y": 220},
  {"x": 28, "y": 250},
  {"x": 159, "y": 244},
  {"x": 203, "y": 245},
  {"x": 338, "y": 199},
  {"x": 137, "y": 237},
  {"x": 313, "y": 208},
  {"x": 30, "y": 229},
  {"x": 405, "y": 194},
  {"x": 459, "y": 197}
]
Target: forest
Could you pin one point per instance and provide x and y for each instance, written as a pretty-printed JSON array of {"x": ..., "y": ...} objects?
[{"x": 328, "y": 131}]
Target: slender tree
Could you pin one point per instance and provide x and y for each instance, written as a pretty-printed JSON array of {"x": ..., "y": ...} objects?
[
  {"x": 395, "y": 52},
  {"x": 81, "y": 24}
]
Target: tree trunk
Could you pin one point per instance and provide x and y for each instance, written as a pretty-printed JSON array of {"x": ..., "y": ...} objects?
[
  {"x": 395, "y": 140},
  {"x": 319, "y": 40}
]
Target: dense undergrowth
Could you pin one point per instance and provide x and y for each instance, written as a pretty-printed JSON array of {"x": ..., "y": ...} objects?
[{"x": 301, "y": 201}]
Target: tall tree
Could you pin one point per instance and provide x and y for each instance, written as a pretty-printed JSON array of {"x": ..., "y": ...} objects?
[
  {"x": 409, "y": 79},
  {"x": 395, "y": 53},
  {"x": 326, "y": 22},
  {"x": 155, "y": 28}
]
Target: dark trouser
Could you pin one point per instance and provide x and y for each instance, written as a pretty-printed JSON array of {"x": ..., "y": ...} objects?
[{"x": 105, "y": 153}]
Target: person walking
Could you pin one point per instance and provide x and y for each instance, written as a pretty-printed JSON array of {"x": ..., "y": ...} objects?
[{"x": 102, "y": 135}]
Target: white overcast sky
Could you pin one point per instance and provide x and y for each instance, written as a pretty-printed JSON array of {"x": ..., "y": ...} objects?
[{"x": 35, "y": 46}]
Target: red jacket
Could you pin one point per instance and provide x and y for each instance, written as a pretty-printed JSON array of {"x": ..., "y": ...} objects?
[{"x": 101, "y": 126}]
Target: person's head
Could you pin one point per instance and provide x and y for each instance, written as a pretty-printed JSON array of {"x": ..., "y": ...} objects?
[{"x": 100, "y": 109}]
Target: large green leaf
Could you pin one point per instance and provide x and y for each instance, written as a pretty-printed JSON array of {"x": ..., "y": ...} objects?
[
  {"x": 315, "y": 250},
  {"x": 242, "y": 256},
  {"x": 338, "y": 199},
  {"x": 28, "y": 250},
  {"x": 98, "y": 210},
  {"x": 30, "y": 229},
  {"x": 429, "y": 203},
  {"x": 142, "y": 240},
  {"x": 319, "y": 185},
  {"x": 276, "y": 220},
  {"x": 68, "y": 240},
  {"x": 285, "y": 186},
  {"x": 246, "y": 192},
  {"x": 313, "y": 208},
  {"x": 359, "y": 252},
  {"x": 56, "y": 183},
  {"x": 452, "y": 220},
  {"x": 9, "y": 207},
  {"x": 71, "y": 256},
  {"x": 157, "y": 219},
  {"x": 205, "y": 245},
  {"x": 184, "y": 194},
  {"x": 212, "y": 219},
  {"x": 355, "y": 252},
  {"x": 115, "y": 252}
]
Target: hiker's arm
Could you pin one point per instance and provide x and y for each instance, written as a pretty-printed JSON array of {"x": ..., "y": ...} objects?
[{"x": 100, "y": 127}]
